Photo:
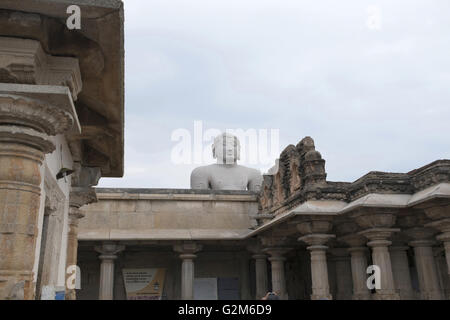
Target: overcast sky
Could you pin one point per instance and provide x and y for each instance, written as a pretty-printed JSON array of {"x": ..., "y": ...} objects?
[{"x": 369, "y": 81}]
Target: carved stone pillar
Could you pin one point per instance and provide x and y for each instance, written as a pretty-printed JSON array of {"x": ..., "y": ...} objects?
[
  {"x": 72, "y": 247},
  {"x": 400, "y": 269},
  {"x": 358, "y": 259},
  {"x": 261, "y": 275},
  {"x": 187, "y": 250},
  {"x": 441, "y": 221},
  {"x": 380, "y": 256},
  {"x": 277, "y": 260},
  {"x": 444, "y": 279},
  {"x": 78, "y": 198},
  {"x": 108, "y": 254},
  {"x": 426, "y": 265},
  {"x": 343, "y": 270},
  {"x": 81, "y": 194},
  {"x": 29, "y": 115},
  {"x": 319, "y": 269},
  {"x": 359, "y": 275},
  {"x": 377, "y": 228},
  {"x": 315, "y": 231}
]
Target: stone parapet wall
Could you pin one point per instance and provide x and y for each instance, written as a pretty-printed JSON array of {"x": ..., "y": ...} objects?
[{"x": 160, "y": 214}]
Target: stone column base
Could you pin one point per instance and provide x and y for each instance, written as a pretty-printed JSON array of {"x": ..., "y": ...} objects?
[
  {"x": 385, "y": 296},
  {"x": 362, "y": 296},
  {"x": 321, "y": 297},
  {"x": 431, "y": 295}
]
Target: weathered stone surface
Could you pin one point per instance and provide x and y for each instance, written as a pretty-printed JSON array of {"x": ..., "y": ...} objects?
[
  {"x": 300, "y": 176},
  {"x": 209, "y": 217},
  {"x": 99, "y": 49}
]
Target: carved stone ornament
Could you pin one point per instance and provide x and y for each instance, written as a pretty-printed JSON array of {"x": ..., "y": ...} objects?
[{"x": 24, "y": 61}]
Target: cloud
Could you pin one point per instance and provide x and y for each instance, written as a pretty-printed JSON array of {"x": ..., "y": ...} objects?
[{"x": 371, "y": 99}]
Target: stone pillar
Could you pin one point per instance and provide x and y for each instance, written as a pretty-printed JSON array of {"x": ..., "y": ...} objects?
[
  {"x": 78, "y": 198},
  {"x": 187, "y": 276},
  {"x": 108, "y": 254},
  {"x": 22, "y": 151},
  {"x": 187, "y": 250},
  {"x": 380, "y": 257},
  {"x": 261, "y": 275},
  {"x": 244, "y": 280},
  {"x": 445, "y": 238},
  {"x": 358, "y": 258},
  {"x": 400, "y": 269},
  {"x": 426, "y": 270},
  {"x": 277, "y": 260},
  {"x": 315, "y": 231},
  {"x": 319, "y": 269},
  {"x": 72, "y": 249},
  {"x": 441, "y": 221},
  {"x": 441, "y": 265},
  {"x": 341, "y": 258},
  {"x": 29, "y": 115}
]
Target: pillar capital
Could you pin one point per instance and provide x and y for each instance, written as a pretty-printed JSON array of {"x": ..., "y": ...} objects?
[
  {"x": 75, "y": 214},
  {"x": 422, "y": 243},
  {"x": 109, "y": 250},
  {"x": 272, "y": 241},
  {"x": 29, "y": 108},
  {"x": 80, "y": 196},
  {"x": 24, "y": 61},
  {"x": 315, "y": 225},
  {"x": 255, "y": 246},
  {"x": 420, "y": 233},
  {"x": 438, "y": 212},
  {"x": 353, "y": 240},
  {"x": 316, "y": 241},
  {"x": 442, "y": 225},
  {"x": 276, "y": 253},
  {"x": 369, "y": 218},
  {"x": 257, "y": 256},
  {"x": 378, "y": 235},
  {"x": 187, "y": 247},
  {"x": 187, "y": 256},
  {"x": 444, "y": 237}
]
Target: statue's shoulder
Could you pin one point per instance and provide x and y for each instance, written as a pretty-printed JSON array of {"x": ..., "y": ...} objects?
[
  {"x": 201, "y": 171},
  {"x": 252, "y": 171}
]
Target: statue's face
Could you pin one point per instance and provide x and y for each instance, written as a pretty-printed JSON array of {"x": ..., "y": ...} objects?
[{"x": 226, "y": 148}]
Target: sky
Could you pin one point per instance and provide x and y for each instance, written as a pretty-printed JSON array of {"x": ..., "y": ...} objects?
[{"x": 369, "y": 81}]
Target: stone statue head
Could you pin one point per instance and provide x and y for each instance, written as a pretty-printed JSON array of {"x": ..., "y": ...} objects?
[{"x": 226, "y": 148}]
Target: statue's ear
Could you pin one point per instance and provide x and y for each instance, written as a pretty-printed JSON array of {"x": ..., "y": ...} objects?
[{"x": 213, "y": 151}]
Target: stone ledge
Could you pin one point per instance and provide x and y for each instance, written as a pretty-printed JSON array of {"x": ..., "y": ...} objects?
[
  {"x": 174, "y": 194},
  {"x": 164, "y": 234}
]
